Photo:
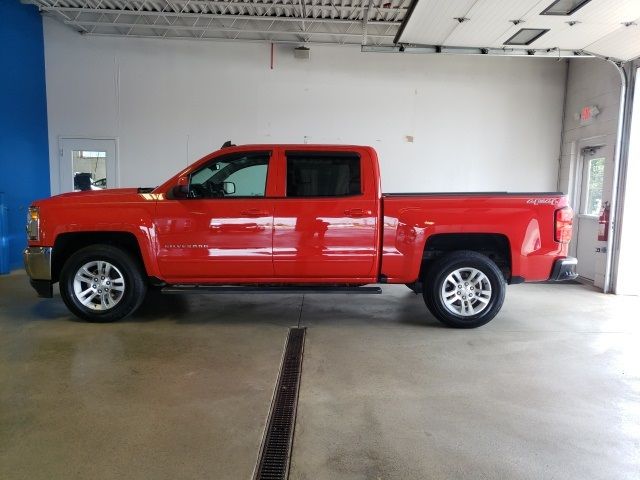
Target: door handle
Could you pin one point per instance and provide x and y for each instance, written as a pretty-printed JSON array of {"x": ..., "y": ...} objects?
[
  {"x": 254, "y": 212},
  {"x": 357, "y": 212}
]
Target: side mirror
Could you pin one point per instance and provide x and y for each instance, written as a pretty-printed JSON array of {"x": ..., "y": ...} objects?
[
  {"x": 181, "y": 190},
  {"x": 229, "y": 188}
]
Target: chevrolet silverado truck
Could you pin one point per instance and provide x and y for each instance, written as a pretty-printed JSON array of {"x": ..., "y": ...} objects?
[{"x": 282, "y": 218}]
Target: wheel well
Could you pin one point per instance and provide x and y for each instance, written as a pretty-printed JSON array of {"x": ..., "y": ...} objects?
[
  {"x": 494, "y": 246},
  {"x": 67, "y": 244}
]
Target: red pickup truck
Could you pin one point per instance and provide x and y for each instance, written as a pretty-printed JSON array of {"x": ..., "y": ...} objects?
[{"x": 310, "y": 218}]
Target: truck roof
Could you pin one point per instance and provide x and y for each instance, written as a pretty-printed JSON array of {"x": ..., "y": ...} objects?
[{"x": 318, "y": 146}]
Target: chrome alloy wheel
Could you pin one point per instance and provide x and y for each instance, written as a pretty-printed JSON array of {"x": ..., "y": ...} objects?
[
  {"x": 466, "y": 291},
  {"x": 98, "y": 285}
]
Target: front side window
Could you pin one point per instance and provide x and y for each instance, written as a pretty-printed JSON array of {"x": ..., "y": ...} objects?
[
  {"x": 239, "y": 175},
  {"x": 323, "y": 175}
]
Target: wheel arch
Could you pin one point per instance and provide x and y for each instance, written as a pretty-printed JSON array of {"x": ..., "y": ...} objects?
[
  {"x": 495, "y": 246},
  {"x": 66, "y": 244}
]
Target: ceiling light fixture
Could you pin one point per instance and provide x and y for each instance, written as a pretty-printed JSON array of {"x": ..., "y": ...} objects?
[
  {"x": 526, "y": 36},
  {"x": 564, "y": 7}
]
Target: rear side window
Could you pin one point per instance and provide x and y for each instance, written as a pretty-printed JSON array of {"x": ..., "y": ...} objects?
[{"x": 323, "y": 175}]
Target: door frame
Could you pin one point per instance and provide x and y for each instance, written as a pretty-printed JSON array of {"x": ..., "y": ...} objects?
[
  {"x": 576, "y": 184},
  {"x": 60, "y": 156}
]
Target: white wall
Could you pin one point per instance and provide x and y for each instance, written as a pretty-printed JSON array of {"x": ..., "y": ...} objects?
[
  {"x": 478, "y": 123},
  {"x": 590, "y": 82}
]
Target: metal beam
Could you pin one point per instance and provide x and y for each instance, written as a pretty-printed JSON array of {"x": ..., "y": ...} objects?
[
  {"x": 191, "y": 15},
  {"x": 366, "y": 11},
  {"x": 47, "y": 3},
  {"x": 303, "y": 13},
  {"x": 292, "y": 41},
  {"x": 245, "y": 4},
  {"x": 194, "y": 28}
]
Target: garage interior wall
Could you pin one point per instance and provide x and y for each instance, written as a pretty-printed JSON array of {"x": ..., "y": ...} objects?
[
  {"x": 627, "y": 279},
  {"x": 24, "y": 156},
  {"x": 440, "y": 123},
  {"x": 590, "y": 82}
]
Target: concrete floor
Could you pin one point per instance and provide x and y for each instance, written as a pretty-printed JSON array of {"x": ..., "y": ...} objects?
[{"x": 549, "y": 389}]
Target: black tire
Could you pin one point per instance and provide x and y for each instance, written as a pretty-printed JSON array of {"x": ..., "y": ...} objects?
[
  {"x": 131, "y": 271},
  {"x": 436, "y": 277}
]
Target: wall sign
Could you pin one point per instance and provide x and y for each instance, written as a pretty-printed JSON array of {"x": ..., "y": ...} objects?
[{"x": 588, "y": 114}]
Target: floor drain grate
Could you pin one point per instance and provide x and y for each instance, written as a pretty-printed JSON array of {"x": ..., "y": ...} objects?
[{"x": 276, "y": 448}]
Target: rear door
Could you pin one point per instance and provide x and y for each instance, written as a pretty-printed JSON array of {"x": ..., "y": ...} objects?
[{"x": 325, "y": 227}]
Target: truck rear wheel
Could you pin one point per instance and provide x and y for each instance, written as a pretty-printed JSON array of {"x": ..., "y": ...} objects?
[
  {"x": 464, "y": 289},
  {"x": 101, "y": 283}
]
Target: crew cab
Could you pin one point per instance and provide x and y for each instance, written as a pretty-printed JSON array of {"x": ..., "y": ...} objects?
[{"x": 308, "y": 218}]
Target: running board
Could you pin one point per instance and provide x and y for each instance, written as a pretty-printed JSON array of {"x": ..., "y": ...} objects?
[{"x": 270, "y": 289}]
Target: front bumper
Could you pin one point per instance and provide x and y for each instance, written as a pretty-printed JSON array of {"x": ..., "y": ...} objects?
[
  {"x": 37, "y": 263},
  {"x": 564, "y": 269}
]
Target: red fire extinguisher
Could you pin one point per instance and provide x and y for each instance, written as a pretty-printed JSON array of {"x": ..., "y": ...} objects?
[{"x": 603, "y": 223}]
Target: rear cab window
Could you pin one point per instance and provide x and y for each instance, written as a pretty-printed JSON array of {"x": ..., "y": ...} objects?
[{"x": 319, "y": 174}]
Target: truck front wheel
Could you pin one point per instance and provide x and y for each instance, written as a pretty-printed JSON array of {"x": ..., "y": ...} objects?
[
  {"x": 102, "y": 283},
  {"x": 464, "y": 289}
]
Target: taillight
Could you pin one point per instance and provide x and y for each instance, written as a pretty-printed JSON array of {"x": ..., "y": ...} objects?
[{"x": 563, "y": 225}]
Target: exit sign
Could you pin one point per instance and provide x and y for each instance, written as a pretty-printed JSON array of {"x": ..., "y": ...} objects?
[{"x": 588, "y": 114}]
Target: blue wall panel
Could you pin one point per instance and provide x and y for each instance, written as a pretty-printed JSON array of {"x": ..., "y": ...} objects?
[{"x": 24, "y": 150}]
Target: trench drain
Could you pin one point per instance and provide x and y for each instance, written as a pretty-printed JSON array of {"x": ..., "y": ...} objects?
[{"x": 275, "y": 455}]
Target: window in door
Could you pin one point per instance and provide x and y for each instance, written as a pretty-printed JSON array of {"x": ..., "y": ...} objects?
[
  {"x": 88, "y": 164},
  {"x": 322, "y": 175},
  {"x": 89, "y": 170},
  {"x": 243, "y": 175},
  {"x": 593, "y": 195}
]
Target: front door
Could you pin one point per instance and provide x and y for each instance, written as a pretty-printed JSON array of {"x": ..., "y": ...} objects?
[
  {"x": 593, "y": 161},
  {"x": 325, "y": 227},
  {"x": 87, "y": 164},
  {"x": 223, "y": 231}
]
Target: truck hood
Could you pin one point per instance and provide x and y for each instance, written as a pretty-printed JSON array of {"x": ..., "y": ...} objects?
[{"x": 112, "y": 195}]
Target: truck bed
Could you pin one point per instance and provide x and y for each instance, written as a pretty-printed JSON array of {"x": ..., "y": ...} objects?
[{"x": 522, "y": 220}]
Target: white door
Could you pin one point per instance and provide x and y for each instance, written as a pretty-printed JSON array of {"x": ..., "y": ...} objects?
[
  {"x": 593, "y": 162},
  {"x": 88, "y": 164}
]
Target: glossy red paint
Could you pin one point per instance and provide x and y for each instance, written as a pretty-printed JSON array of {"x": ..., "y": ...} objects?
[
  {"x": 354, "y": 239},
  {"x": 526, "y": 222},
  {"x": 337, "y": 237},
  {"x": 121, "y": 210}
]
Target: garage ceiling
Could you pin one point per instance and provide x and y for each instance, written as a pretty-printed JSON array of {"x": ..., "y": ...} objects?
[
  {"x": 609, "y": 28},
  {"x": 372, "y": 22}
]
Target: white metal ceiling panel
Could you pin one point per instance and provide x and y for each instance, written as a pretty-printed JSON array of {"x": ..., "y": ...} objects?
[
  {"x": 489, "y": 21},
  {"x": 608, "y": 11},
  {"x": 625, "y": 42},
  {"x": 598, "y": 27},
  {"x": 433, "y": 20},
  {"x": 574, "y": 37}
]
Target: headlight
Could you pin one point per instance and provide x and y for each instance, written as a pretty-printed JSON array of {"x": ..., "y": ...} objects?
[{"x": 33, "y": 223}]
